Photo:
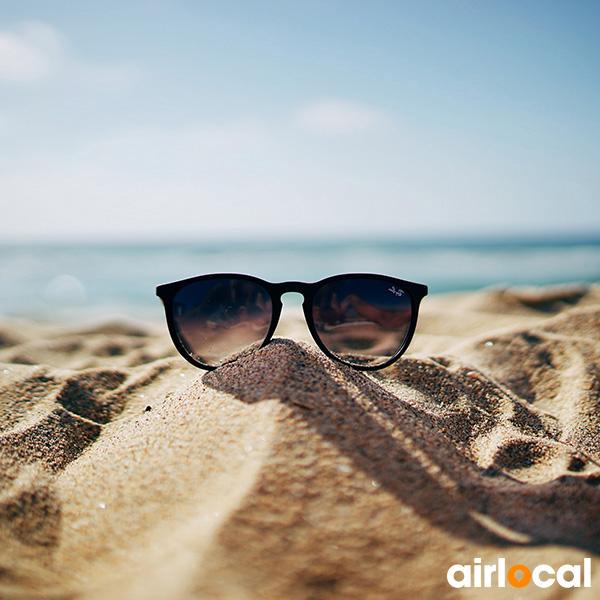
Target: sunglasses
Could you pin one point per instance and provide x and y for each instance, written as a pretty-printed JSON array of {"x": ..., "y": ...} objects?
[{"x": 363, "y": 320}]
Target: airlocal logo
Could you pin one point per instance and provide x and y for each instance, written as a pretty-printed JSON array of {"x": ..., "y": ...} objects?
[{"x": 478, "y": 575}]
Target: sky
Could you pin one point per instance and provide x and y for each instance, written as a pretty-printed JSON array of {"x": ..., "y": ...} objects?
[{"x": 182, "y": 119}]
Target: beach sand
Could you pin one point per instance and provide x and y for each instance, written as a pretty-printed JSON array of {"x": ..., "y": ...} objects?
[{"x": 127, "y": 474}]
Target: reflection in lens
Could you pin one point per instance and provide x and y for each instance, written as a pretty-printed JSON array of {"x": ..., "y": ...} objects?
[
  {"x": 219, "y": 319},
  {"x": 362, "y": 321}
]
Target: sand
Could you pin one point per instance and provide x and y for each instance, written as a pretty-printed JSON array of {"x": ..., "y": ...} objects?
[{"x": 127, "y": 474}]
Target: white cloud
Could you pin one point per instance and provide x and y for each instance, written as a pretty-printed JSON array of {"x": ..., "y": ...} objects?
[
  {"x": 253, "y": 177},
  {"x": 343, "y": 117},
  {"x": 144, "y": 181},
  {"x": 35, "y": 52},
  {"x": 30, "y": 54}
]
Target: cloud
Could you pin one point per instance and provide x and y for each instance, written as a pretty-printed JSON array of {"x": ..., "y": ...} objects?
[
  {"x": 35, "y": 53},
  {"x": 141, "y": 181},
  {"x": 30, "y": 54},
  {"x": 340, "y": 117},
  {"x": 252, "y": 177}
]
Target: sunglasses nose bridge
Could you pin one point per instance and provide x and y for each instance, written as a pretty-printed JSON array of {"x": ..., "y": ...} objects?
[{"x": 286, "y": 287}]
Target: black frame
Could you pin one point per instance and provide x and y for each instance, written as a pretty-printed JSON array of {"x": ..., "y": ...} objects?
[{"x": 417, "y": 291}]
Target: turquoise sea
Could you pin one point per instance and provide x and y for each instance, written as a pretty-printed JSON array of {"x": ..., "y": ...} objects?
[{"x": 79, "y": 280}]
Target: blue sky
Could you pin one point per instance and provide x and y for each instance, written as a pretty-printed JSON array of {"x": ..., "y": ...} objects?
[{"x": 183, "y": 119}]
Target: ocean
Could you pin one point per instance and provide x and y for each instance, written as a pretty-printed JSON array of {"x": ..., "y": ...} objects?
[{"x": 54, "y": 281}]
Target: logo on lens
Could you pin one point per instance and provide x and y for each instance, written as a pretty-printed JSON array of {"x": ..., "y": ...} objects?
[{"x": 396, "y": 292}]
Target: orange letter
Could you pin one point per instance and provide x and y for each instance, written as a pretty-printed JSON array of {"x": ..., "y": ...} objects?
[{"x": 519, "y": 583}]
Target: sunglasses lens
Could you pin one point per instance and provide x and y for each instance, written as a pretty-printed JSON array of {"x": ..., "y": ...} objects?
[
  {"x": 363, "y": 322},
  {"x": 217, "y": 320}
]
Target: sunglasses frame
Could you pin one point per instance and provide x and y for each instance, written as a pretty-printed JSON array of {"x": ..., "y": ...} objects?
[{"x": 416, "y": 291}]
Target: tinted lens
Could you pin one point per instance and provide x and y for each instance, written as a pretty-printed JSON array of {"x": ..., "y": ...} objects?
[
  {"x": 218, "y": 319},
  {"x": 362, "y": 321}
]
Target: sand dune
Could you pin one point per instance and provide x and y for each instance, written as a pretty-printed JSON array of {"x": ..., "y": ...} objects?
[{"x": 125, "y": 473}]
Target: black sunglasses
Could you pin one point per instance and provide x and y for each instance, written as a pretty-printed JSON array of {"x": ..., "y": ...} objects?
[{"x": 363, "y": 320}]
